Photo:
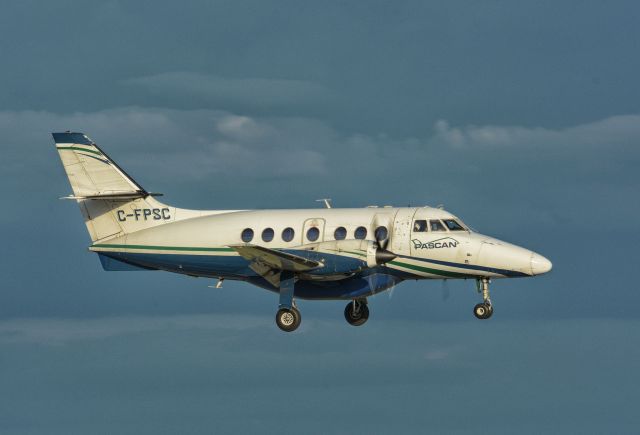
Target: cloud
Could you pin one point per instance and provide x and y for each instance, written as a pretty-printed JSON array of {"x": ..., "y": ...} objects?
[
  {"x": 436, "y": 355},
  {"x": 241, "y": 127},
  {"x": 307, "y": 157},
  {"x": 210, "y": 142},
  {"x": 615, "y": 131},
  {"x": 193, "y": 144},
  {"x": 59, "y": 331},
  {"x": 219, "y": 91}
]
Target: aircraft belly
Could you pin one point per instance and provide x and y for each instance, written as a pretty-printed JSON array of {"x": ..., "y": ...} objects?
[
  {"x": 200, "y": 265},
  {"x": 355, "y": 287}
]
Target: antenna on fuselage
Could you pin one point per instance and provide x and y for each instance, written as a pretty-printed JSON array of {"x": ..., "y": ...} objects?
[
  {"x": 327, "y": 202},
  {"x": 219, "y": 283}
]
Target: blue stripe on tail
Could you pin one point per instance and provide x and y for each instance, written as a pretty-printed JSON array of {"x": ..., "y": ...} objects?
[{"x": 68, "y": 137}]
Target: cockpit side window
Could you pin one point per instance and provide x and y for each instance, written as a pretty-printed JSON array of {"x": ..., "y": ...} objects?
[
  {"x": 453, "y": 225},
  {"x": 436, "y": 225},
  {"x": 419, "y": 226}
]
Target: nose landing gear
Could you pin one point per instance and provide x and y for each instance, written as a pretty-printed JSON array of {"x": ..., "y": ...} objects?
[{"x": 483, "y": 310}]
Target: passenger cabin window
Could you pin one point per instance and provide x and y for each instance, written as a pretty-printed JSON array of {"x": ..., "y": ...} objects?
[
  {"x": 267, "y": 234},
  {"x": 288, "y": 234},
  {"x": 247, "y": 235},
  {"x": 453, "y": 225},
  {"x": 381, "y": 233},
  {"x": 340, "y": 233},
  {"x": 436, "y": 225},
  {"x": 312, "y": 234},
  {"x": 360, "y": 233},
  {"x": 419, "y": 226}
]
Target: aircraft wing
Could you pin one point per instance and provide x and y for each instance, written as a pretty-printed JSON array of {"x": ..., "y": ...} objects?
[{"x": 276, "y": 260}]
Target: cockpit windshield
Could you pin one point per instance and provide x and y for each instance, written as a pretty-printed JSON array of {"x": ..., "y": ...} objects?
[
  {"x": 420, "y": 226},
  {"x": 436, "y": 225},
  {"x": 453, "y": 225},
  {"x": 424, "y": 225}
]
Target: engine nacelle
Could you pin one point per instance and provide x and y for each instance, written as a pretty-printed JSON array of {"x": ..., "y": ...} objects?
[{"x": 366, "y": 250}]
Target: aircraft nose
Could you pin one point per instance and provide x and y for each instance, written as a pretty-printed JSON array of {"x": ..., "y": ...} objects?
[{"x": 539, "y": 264}]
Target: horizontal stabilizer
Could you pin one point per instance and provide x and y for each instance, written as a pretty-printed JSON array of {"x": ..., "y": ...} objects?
[{"x": 114, "y": 196}]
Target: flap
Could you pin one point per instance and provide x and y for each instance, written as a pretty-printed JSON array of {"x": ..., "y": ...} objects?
[{"x": 277, "y": 260}]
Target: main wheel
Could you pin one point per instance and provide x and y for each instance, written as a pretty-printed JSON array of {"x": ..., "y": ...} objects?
[
  {"x": 299, "y": 316},
  {"x": 358, "y": 316},
  {"x": 490, "y": 313},
  {"x": 483, "y": 311},
  {"x": 288, "y": 319}
]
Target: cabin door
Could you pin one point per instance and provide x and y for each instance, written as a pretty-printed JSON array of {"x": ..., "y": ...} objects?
[
  {"x": 402, "y": 231},
  {"x": 313, "y": 231}
]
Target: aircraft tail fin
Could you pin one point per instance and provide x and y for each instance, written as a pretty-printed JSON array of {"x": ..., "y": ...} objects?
[
  {"x": 112, "y": 203},
  {"x": 91, "y": 172}
]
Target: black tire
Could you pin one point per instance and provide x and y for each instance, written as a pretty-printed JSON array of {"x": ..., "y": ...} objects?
[
  {"x": 359, "y": 318},
  {"x": 481, "y": 311},
  {"x": 490, "y": 312},
  {"x": 288, "y": 319},
  {"x": 298, "y": 316}
]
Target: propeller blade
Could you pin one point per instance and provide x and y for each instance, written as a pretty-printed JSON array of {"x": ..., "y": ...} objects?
[
  {"x": 445, "y": 290},
  {"x": 382, "y": 236},
  {"x": 391, "y": 291}
]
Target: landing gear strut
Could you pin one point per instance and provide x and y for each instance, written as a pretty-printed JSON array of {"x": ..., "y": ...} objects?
[
  {"x": 288, "y": 317},
  {"x": 483, "y": 310},
  {"x": 356, "y": 312}
]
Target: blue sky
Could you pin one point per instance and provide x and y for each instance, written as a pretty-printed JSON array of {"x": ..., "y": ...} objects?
[{"x": 522, "y": 118}]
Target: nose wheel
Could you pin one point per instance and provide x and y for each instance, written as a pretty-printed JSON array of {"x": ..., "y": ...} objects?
[
  {"x": 483, "y": 310},
  {"x": 356, "y": 312}
]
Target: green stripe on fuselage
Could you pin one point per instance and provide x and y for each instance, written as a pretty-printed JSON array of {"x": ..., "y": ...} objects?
[
  {"x": 162, "y": 248},
  {"x": 430, "y": 270}
]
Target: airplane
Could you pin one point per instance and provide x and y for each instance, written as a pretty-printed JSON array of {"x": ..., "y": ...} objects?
[{"x": 318, "y": 254}]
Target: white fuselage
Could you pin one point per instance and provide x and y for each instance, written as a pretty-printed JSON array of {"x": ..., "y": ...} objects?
[{"x": 430, "y": 253}]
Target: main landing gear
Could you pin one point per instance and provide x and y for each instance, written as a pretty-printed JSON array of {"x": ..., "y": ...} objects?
[
  {"x": 288, "y": 319},
  {"x": 356, "y": 312},
  {"x": 483, "y": 310}
]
